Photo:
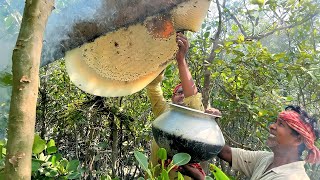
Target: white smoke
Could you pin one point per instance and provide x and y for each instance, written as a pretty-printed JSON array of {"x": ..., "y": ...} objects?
[{"x": 60, "y": 24}]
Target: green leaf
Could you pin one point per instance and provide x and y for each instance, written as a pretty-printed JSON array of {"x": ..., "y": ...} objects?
[
  {"x": 35, "y": 165},
  {"x": 217, "y": 50},
  {"x": 38, "y": 144},
  {"x": 162, "y": 154},
  {"x": 51, "y": 143},
  {"x": 289, "y": 98},
  {"x": 58, "y": 156},
  {"x": 53, "y": 160},
  {"x": 107, "y": 177},
  {"x": 206, "y": 34},
  {"x": 234, "y": 27},
  {"x": 140, "y": 178},
  {"x": 51, "y": 150},
  {"x": 142, "y": 159},
  {"x": 38, "y": 160},
  {"x": 73, "y": 165},
  {"x": 203, "y": 25},
  {"x": 236, "y": 52},
  {"x": 181, "y": 159},
  {"x": 51, "y": 173},
  {"x": 5, "y": 79},
  {"x": 312, "y": 76},
  {"x": 2, "y": 142},
  {"x": 258, "y": 2},
  {"x": 180, "y": 176},
  {"x": 164, "y": 174},
  {"x": 279, "y": 56},
  {"x": 228, "y": 43},
  {"x": 74, "y": 175},
  {"x": 64, "y": 163},
  {"x": 240, "y": 38},
  {"x": 46, "y": 164}
]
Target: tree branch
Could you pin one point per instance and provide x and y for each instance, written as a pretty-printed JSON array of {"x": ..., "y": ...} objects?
[
  {"x": 258, "y": 37},
  {"x": 250, "y": 17},
  {"x": 261, "y": 36},
  {"x": 207, "y": 72},
  {"x": 235, "y": 142},
  {"x": 238, "y": 23}
]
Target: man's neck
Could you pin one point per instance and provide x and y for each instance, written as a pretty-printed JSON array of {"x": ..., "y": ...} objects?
[{"x": 283, "y": 156}]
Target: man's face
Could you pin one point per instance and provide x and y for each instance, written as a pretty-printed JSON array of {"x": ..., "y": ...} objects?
[
  {"x": 178, "y": 97},
  {"x": 281, "y": 135}
]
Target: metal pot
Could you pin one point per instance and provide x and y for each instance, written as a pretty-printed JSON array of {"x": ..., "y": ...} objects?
[{"x": 183, "y": 129}]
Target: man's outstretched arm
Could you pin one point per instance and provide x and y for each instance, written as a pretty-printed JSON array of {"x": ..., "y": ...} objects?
[
  {"x": 188, "y": 85},
  {"x": 226, "y": 154}
]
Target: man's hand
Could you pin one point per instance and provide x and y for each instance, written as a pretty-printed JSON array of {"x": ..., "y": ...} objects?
[
  {"x": 213, "y": 111},
  {"x": 183, "y": 45},
  {"x": 191, "y": 171}
]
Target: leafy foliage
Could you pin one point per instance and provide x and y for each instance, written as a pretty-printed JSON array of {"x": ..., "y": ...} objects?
[
  {"x": 249, "y": 60},
  {"x": 161, "y": 172},
  {"x": 257, "y": 60},
  {"x": 107, "y": 129},
  {"x": 47, "y": 163}
]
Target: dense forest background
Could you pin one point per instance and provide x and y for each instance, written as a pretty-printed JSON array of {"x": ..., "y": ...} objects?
[{"x": 250, "y": 59}]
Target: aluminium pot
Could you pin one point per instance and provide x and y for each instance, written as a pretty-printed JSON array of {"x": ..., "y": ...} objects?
[{"x": 182, "y": 129}]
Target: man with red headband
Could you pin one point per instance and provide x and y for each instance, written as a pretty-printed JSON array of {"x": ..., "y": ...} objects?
[
  {"x": 291, "y": 134},
  {"x": 185, "y": 94}
]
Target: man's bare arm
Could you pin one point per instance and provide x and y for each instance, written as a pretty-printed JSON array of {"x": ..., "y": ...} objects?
[
  {"x": 188, "y": 85},
  {"x": 225, "y": 154}
]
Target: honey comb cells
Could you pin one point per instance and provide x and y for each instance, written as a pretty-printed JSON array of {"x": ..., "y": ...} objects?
[{"x": 127, "y": 59}]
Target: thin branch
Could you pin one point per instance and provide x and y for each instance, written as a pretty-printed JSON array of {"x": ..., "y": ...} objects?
[
  {"x": 231, "y": 96},
  {"x": 278, "y": 17},
  {"x": 217, "y": 35},
  {"x": 244, "y": 2},
  {"x": 235, "y": 142},
  {"x": 261, "y": 36},
  {"x": 258, "y": 37},
  {"x": 238, "y": 23}
]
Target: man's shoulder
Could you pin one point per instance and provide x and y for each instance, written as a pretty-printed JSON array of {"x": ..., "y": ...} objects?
[
  {"x": 255, "y": 153},
  {"x": 293, "y": 175},
  {"x": 293, "y": 170}
]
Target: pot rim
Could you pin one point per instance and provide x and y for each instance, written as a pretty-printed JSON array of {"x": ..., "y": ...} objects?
[{"x": 194, "y": 110}]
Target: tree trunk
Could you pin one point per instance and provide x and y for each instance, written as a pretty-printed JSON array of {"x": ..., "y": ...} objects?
[{"x": 25, "y": 69}]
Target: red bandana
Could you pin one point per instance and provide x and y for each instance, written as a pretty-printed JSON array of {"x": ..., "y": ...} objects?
[
  {"x": 176, "y": 88},
  {"x": 305, "y": 130}
]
